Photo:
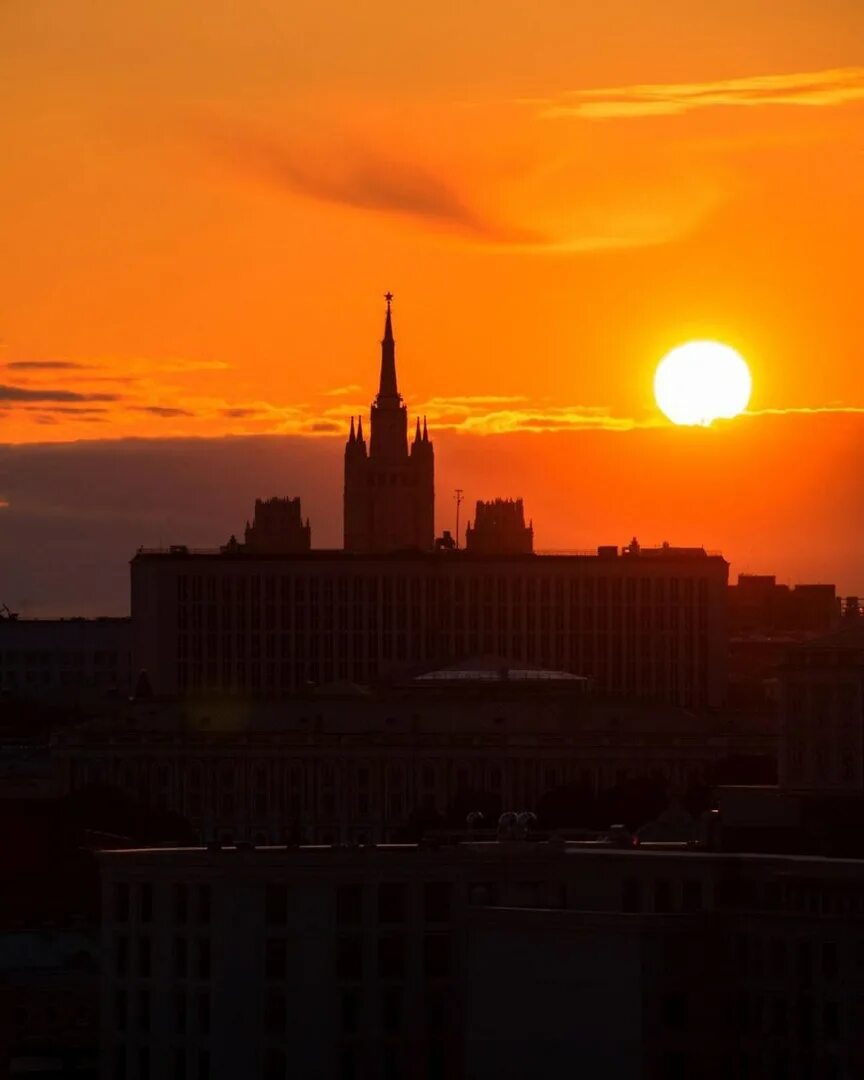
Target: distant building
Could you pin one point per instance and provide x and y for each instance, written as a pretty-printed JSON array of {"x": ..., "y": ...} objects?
[
  {"x": 499, "y": 960},
  {"x": 759, "y": 606},
  {"x": 822, "y": 687},
  {"x": 389, "y": 497},
  {"x": 277, "y": 529},
  {"x": 258, "y": 620},
  {"x": 49, "y": 1004},
  {"x": 344, "y": 765},
  {"x": 499, "y": 529},
  {"x": 649, "y": 623},
  {"x": 68, "y": 657}
]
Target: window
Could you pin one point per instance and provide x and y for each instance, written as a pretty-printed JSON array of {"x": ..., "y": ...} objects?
[
  {"x": 274, "y": 1063},
  {"x": 143, "y": 958},
  {"x": 392, "y": 902},
  {"x": 391, "y": 1010},
  {"x": 662, "y": 895},
  {"x": 121, "y": 957},
  {"x": 120, "y": 1010},
  {"x": 349, "y": 958},
  {"x": 275, "y": 958},
  {"x": 276, "y": 904},
  {"x": 436, "y": 901},
  {"x": 181, "y": 958},
  {"x": 203, "y": 1065},
  {"x": 181, "y": 903},
  {"x": 204, "y": 959},
  {"x": 203, "y": 908},
  {"x": 350, "y": 1002},
  {"x": 391, "y": 957},
  {"x": 674, "y": 1011},
  {"x": 180, "y": 1012},
  {"x": 631, "y": 895},
  {"x": 692, "y": 896},
  {"x": 274, "y": 1012},
  {"x": 121, "y": 902},
  {"x": 436, "y": 956},
  {"x": 349, "y": 904},
  {"x": 146, "y": 908},
  {"x": 204, "y": 1014},
  {"x": 144, "y": 1010}
]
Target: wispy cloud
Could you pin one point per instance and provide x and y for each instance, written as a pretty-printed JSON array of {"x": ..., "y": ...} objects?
[
  {"x": 365, "y": 178},
  {"x": 163, "y": 410},
  {"x": 806, "y": 410},
  {"x": 476, "y": 420},
  {"x": 343, "y": 391},
  {"x": 26, "y": 393},
  {"x": 836, "y": 86},
  {"x": 47, "y": 365}
]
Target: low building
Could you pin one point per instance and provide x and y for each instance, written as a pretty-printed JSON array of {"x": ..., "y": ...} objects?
[
  {"x": 345, "y": 764},
  {"x": 498, "y": 959},
  {"x": 65, "y": 658}
]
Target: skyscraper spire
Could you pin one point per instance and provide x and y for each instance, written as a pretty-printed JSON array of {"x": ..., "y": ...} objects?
[
  {"x": 352, "y": 436},
  {"x": 387, "y": 387}
]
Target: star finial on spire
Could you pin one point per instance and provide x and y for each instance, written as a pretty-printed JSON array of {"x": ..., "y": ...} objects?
[{"x": 388, "y": 296}]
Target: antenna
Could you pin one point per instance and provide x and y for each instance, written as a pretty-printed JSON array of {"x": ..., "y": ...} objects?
[{"x": 457, "y": 495}]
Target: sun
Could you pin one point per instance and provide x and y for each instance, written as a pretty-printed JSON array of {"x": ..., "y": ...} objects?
[{"x": 702, "y": 381}]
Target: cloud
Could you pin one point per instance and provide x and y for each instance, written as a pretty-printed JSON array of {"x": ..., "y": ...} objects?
[
  {"x": 806, "y": 410},
  {"x": 47, "y": 365},
  {"x": 836, "y": 86},
  {"x": 163, "y": 410},
  {"x": 321, "y": 427},
  {"x": 539, "y": 419},
  {"x": 343, "y": 391},
  {"x": 21, "y": 393},
  {"x": 366, "y": 179}
]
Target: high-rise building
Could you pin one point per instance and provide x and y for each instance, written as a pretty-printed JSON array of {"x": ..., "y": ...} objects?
[{"x": 389, "y": 498}]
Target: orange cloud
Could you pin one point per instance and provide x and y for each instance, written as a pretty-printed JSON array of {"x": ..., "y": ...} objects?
[{"x": 837, "y": 86}]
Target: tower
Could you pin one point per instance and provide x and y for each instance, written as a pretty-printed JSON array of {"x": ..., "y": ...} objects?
[{"x": 389, "y": 499}]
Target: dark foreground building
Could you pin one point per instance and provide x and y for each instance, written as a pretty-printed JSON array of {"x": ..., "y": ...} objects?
[{"x": 499, "y": 960}]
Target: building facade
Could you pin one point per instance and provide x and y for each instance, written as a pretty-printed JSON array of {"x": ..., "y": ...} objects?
[
  {"x": 480, "y": 960},
  {"x": 362, "y": 769},
  {"x": 645, "y": 623},
  {"x": 389, "y": 495}
]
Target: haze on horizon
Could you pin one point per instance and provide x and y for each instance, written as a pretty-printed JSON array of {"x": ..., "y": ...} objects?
[{"x": 202, "y": 204}]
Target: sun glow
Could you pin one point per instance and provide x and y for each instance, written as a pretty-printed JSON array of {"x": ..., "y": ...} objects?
[{"x": 700, "y": 382}]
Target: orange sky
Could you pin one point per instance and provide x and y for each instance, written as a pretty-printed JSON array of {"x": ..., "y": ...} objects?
[{"x": 201, "y": 204}]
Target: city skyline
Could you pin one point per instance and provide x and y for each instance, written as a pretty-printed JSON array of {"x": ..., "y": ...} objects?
[{"x": 554, "y": 205}]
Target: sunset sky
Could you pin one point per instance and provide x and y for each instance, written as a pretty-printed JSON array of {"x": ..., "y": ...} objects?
[{"x": 202, "y": 203}]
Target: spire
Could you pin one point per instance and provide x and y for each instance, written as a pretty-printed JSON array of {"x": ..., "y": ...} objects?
[
  {"x": 387, "y": 387},
  {"x": 425, "y": 432},
  {"x": 360, "y": 429},
  {"x": 352, "y": 437},
  {"x": 417, "y": 433}
]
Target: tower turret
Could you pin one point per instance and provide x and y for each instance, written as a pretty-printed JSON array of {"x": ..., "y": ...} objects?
[{"x": 389, "y": 492}]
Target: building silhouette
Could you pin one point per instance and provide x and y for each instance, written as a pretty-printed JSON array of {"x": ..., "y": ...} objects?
[
  {"x": 389, "y": 498},
  {"x": 269, "y": 617},
  {"x": 499, "y": 529},
  {"x": 277, "y": 529}
]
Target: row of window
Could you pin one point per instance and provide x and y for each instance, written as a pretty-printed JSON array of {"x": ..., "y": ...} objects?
[{"x": 384, "y": 589}]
